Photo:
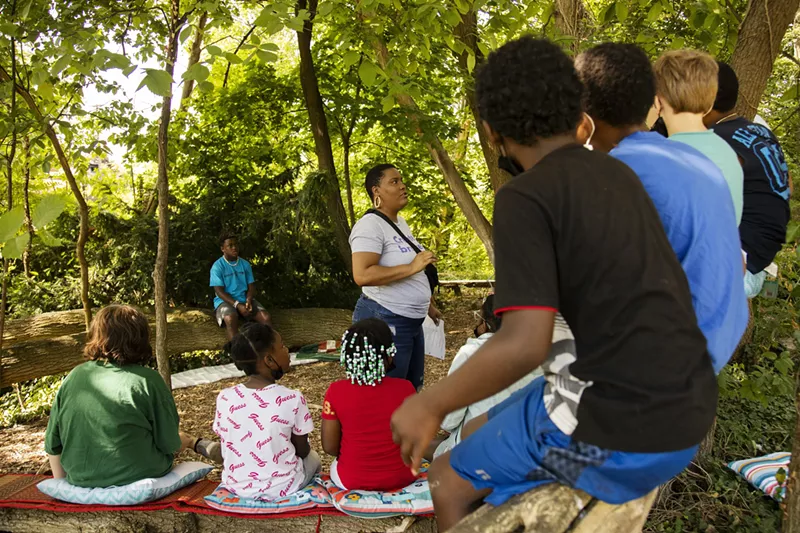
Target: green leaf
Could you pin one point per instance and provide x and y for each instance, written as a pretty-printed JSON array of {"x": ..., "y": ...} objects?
[
  {"x": 387, "y": 103},
  {"x": 205, "y": 86},
  {"x": 325, "y": 8},
  {"x": 484, "y": 49},
  {"x": 351, "y": 58},
  {"x": 10, "y": 223},
  {"x": 158, "y": 81},
  {"x": 26, "y": 8},
  {"x": 655, "y": 12},
  {"x": 128, "y": 71},
  {"x": 608, "y": 13},
  {"x": 13, "y": 249},
  {"x": 621, "y": 10},
  {"x": 368, "y": 72},
  {"x": 48, "y": 238},
  {"x": 452, "y": 17},
  {"x": 185, "y": 33},
  {"x": 270, "y": 47},
  {"x": 49, "y": 209},
  {"x": 214, "y": 50},
  {"x": 197, "y": 72},
  {"x": 791, "y": 94},
  {"x": 233, "y": 58},
  {"x": 792, "y": 231},
  {"x": 46, "y": 166},
  {"x": 60, "y": 64},
  {"x": 470, "y": 62},
  {"x": 266, "y": 56}
]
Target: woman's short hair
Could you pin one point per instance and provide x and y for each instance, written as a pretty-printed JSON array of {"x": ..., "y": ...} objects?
[
  {"x": 528, "y": 90},
  {"x": 687, "y": 80},
  {"x": 119, "y": 334},
  {"x": 374, "y": 176},
  {"x": 249, "y": 345}
]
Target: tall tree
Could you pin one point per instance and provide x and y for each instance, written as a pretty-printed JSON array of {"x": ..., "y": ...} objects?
[
  {"x": 194, "y": 56},
  {"x": 759, "y": 43},
  {"x": 440, "y": 156},
  {"x": 319, "y": 129},
  {"x": 174, "y": 24}
]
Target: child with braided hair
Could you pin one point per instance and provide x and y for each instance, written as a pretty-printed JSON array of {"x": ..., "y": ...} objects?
[{"x": 357, "y": 410}]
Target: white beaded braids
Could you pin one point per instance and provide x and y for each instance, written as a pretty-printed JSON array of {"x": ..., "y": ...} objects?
[{"x": 363, "y": 362}]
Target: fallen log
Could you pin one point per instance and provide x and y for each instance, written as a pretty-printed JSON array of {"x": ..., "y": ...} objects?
[
  {"x": 52, "y": 343},
  {"x": 37, "y": 521},
  {"x": 557, "y": 509}
]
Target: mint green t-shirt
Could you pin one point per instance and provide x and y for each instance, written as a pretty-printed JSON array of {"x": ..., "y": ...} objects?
[
  {"x": 720, "y": 152},
  {"x": 113, "y": 425}
]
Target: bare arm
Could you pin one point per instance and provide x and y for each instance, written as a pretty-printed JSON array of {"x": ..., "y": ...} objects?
[
  {"x": 301, "y": 446},
  {"x": 368, "y": 273},
  {"x": 55, "y": 466},
  {"x": 331, "y": 436},
  {"x": 522, "y": 344}
]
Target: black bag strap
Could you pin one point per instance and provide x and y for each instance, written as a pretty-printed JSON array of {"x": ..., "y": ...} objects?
[{"x": 394, "y": 226}]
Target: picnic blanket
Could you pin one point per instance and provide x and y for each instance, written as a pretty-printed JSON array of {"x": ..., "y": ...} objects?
[
  {"x": 212, "y": 374},
  {"x": 322, "y": 351},
  {"x": 19, "y": 491}
]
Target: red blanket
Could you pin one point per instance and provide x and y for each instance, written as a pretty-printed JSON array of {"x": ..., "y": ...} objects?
[{"x": 19, "y": 491}]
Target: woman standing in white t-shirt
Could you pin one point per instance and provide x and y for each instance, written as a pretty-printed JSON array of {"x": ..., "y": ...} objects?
[{"x": 391, "y": 274}]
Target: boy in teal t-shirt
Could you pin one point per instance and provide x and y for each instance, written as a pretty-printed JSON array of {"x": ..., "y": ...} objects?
[
  {"x": 234, "y": 288},
  {"x": 686, "y": 86}
]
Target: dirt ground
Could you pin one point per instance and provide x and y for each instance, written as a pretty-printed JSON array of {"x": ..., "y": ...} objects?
[{"x": 22, "y": 449}]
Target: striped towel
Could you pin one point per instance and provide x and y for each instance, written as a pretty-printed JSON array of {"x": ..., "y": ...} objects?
[{"x": 761, "y": 472}]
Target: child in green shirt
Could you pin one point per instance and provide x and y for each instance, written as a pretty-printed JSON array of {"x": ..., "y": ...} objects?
[{"x": 114, "y": 421}]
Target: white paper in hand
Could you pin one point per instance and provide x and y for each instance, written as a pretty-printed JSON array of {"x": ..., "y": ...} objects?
[{"x": 434, "y": 338}]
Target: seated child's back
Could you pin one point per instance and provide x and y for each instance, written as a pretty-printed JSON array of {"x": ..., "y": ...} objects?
[
  {"x": 114, "y": 421},
  {"x": 362, "y": 406},
  {"x": 263, "y": 426}
]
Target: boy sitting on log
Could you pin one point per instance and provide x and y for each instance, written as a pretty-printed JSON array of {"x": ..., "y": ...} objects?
[
  {"x": 575, "y": 232},
  {"x": 234, "y": 288}
]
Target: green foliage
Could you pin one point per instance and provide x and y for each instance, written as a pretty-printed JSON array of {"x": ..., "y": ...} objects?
[{"x": 37, "y": 396}]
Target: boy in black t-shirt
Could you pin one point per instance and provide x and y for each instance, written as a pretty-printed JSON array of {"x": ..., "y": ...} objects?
[
  {"x": 574, "y": 232},
  {"x": 767, "y": 184}
]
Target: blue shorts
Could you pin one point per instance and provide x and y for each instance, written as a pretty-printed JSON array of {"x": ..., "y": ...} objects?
[{"x": 520, "y": 448}]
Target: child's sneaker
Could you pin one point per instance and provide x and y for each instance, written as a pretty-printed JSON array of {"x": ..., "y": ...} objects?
[{"x": 210, "y": 450}]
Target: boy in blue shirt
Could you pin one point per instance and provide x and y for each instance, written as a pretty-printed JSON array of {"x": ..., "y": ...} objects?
[
  {"x": 234, "y": 288},
  {"x": 688, "y": 189}
]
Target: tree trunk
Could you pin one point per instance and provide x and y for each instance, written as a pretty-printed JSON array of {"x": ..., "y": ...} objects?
[
  {"x": 759, "y": 43},
  {"x": 194, "y": 56},
  {"x": 791, "y": 520},
  {"x": 162, "y": 186},
  {"x": 347, "y": 183},
  {"x": 442, "y": 159},
  {"x": 26, "y": 201},
  {"x": 36, "y": 521},
  {"x": 555, "y": 508},
  {"x": 322, "y": 138},
  {"x": 573, "y": 20},
  {"x": 51, "y": 343},
  {"x": 467, "y": 32},
  {"x": 83, "y": 209},
  {"x": 9, "y": 185}
]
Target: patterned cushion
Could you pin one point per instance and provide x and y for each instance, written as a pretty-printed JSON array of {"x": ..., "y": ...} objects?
[
  {"x": 314, "y": 495},
  {"x": 145, "y": 490},
  {"x": 415, "y": 499},
  {"x": 763, "y": 473}
]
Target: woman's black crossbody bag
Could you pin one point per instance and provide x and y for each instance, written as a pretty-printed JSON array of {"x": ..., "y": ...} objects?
[{"x": 430, "y": 271}]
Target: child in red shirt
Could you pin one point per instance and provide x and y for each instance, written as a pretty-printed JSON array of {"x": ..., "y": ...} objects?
[{"x": 357, "y": 411}]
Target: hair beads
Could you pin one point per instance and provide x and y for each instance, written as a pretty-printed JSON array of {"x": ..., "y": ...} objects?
[{"x": 363, "y": 363}]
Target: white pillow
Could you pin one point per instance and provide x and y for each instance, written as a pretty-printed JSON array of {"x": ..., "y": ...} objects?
[{"x": 145, "y": 490}]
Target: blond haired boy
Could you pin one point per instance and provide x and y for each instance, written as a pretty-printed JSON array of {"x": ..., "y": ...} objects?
[{"x": 686, "y": 87}]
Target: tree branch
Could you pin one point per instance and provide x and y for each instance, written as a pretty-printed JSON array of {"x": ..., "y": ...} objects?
[{"x": 238, "y": 47}]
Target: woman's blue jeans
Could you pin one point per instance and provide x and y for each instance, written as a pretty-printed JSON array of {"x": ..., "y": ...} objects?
[{"x": 408, "y": 338}]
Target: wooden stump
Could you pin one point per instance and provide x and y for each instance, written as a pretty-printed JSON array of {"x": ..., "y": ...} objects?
[
  {"x": 51, "y": 343},
  {"x": 556, "y": 508}
]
